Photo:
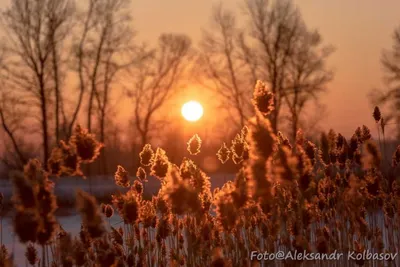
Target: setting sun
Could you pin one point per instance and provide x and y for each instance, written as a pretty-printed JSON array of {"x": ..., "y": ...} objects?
[{"x": 192, "y": 111}]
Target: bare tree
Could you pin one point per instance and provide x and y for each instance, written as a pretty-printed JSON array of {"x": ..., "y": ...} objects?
[
  {"x": 115, "y": 56},
  {"x": 60, "y": 17},
  {"x": 223, "y": 71},
  {"x": 306, "y": 76},
  {"x": 274, "y": 27},
  {"x": 13, "y": 122},
  {"x": 103, "y": 47},
  {"x": 391, "y": 96},
  {"x": 87, "y": 23},
  {"x": 156, "y": 79},
  {"x": 274, "y": 46},
  {"x": 13, "y": 119},
  {"x": 289, "y": 57},
  {"x": 33, "y": 28}
]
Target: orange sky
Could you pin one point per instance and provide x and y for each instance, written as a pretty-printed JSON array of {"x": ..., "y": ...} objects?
[{"x": 358, "y": 29}]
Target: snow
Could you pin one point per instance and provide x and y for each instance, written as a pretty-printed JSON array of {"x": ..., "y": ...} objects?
[
  {"x": 71, "y": 224},
  {"x": 99, "y": 186},
  {"x": 65, "y": 189}
]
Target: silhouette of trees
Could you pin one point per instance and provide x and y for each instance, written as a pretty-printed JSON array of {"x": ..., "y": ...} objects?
[
  {"x": 61, "y": 18},
  {"x": 64, "y": 63},
  {"x": 289, "y": 57},
  {"x": 274, "y": 46},
  {"x": 156, "y": 79},
  {"x": 390, "y": 61},
  {"x": 104, "y": 49},
  {"x": 221, "y": 60},
  {"x": 306, "y": 77},
  {"x": 35, "y": 30},
  {"x": 50, "y": 41},
  {"x": 12, "y": 121}
]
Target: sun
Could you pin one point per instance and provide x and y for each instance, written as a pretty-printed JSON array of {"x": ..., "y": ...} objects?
[{"x": 192, "y": 111}]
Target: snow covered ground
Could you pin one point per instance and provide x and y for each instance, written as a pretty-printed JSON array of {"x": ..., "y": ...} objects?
[
  {"x": 101, "y": 186},
  {"x": 65, "y": 189},
  {"x": 70, "y": 224}
]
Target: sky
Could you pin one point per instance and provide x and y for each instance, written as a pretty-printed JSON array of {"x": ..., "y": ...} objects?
[{"x": 359, "y": 30}]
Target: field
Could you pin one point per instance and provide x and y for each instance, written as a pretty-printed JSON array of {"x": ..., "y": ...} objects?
[
  {"x": 245, "y": 133},
  {"x": 341, "y": 196},
  {"x": 66, "y": 215}
]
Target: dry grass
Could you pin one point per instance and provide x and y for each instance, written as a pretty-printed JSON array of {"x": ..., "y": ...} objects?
[{"x": 286, "y": 197}]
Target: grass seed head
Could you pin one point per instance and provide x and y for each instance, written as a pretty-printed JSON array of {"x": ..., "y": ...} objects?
[
  {"x": 187, "y": 168},
  {"x": 64, "y": 160},
  {"x": 263, "y": 99},
  {"x": 31, "y": 254},
  {"x": 181, "y": 196},
  {"x": 121, "y": 177},
  {"x": 147, "y": 213},
  {"x": 365, "y": 133},
  {"x": 146, "y": 155},
  {"x": 27, "y": 224},
  {"x": 130, "y": 209},
  {"x": 33, "y": 171},
  {"x": 371, "y": 156},
  {"x": 223, "y": 153},
  {"x": 25, "y": 192},
  {"x": 377, "y": 114},
  {"x": 396, "y": 157},
  {"x": 108, "y": 211},
  {"x": 87, "y": 147},
  {"x": 194, "y": 145},
  {"x": 141, "y": 174},
  {"x": 90, "y": 213},
  {"x": 238, "y": 146},
  {"x": 160, "y": 164},
  {"x": 137, "y": 187}
]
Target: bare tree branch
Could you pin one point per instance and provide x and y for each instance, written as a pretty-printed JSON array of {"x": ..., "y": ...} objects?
[
  {"x": 391, "y": 96},
  {"x": 222, "y": 69},
  {"x": 33, "y": 28},
  {"x": 157, "y": 79}
]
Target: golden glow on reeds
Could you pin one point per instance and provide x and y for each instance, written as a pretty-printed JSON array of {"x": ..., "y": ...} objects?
[
  {"x": 146, "y": 155},
  {"x": 194, "y": 145},
  {"x": 223, "y": 153},
  {"x": 86, "y": 145},
  {"x": 160, "y": 164},
  {"x": 121, "y": 177},
  {"x": 141, "y": 174},
  {"x": 319, "y": 196}
]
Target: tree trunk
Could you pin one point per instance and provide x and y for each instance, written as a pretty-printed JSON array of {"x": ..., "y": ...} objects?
[
  {"x": 43, "y": 107},
  {"x": 90, "y": 111},
  {"x": 274, "y": 122},
  {"x": 103, "y": 160},
  {"x": 144, "y": 139},
  {"x": 13, "y": 140},
  {"x": 294, "y": 127},
  {"x": 57, "y": 92}
]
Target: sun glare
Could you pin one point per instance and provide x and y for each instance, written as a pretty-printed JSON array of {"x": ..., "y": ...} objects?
[{"x": 192, "y": 111}]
